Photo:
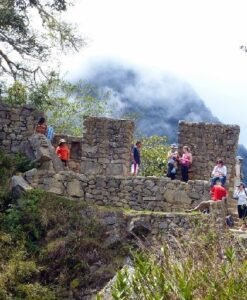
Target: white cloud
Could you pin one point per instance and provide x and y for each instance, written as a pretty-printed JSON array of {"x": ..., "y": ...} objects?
[{"x": 197, "y": 40}]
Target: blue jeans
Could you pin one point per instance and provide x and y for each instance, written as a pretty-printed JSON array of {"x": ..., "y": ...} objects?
[{"x": 222, "y": 179}]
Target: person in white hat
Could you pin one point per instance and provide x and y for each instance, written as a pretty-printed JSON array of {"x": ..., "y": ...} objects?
[
  {"x": 63, "y": 152},
  {"x": 172, "y": 161},
  {"x": 240, "y": 194}
]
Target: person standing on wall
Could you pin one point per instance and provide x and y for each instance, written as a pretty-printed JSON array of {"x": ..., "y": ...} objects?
[
  {"x": 185, "y": 162},
  {"x": 172, "y": 162},
  {"x": 136, "y": 158},
  {"x": 240, "y": 194},
  {"x": 63, "y": 152}
]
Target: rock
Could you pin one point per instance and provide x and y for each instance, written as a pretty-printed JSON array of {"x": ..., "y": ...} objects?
[
  {"x": 30, "y": 175},
  {"x": 39, "y": 148},
  {"x": 19, "y": 186},
  {"x": 74, "y": 189},
  {"x": 112, "y": 241},
  {"x": 139, "y": 227}
]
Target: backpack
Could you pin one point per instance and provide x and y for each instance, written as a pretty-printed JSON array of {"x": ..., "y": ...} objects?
[{"x": 229, "y": 221}]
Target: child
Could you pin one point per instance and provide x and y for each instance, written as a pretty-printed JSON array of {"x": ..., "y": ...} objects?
[{"x": 63, "y": 152}]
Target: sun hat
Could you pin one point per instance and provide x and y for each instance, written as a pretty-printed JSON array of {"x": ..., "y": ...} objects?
[
  {"x": 62, "y": 141},
  {"x": 241, "y": 183},
  {"x": 174, "y": 145}
]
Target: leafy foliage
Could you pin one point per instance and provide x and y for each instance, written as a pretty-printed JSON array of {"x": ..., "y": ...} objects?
[
  {"x": 48, "y": 247},
  {"x": 65, "y": 104},
  {"x": 154, "y": 155},
  {"x": 9, "y": 165},
  {"x": 207, "y": 266},
  {"x": 29, "y": 32}
]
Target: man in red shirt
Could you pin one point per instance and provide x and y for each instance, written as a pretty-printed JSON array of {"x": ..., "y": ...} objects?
[{"x": 218, "y": 193}]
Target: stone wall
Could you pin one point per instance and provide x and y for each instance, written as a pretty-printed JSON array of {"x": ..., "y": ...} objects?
[
  {"x": 138, "y": 193},
  {"x": 16, "y": 125},
  {"x": 208, "y": 143},
  {"x": 104, "y": 148}
]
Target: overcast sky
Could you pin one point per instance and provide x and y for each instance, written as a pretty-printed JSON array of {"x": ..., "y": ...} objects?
[{"x": 196, "y": 40}]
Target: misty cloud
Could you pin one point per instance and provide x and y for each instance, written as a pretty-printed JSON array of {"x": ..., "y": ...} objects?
[{"x": 159, "y": 100}]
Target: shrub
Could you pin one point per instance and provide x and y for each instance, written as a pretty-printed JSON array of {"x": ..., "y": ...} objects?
[
  {"x": 197, "y": 269},
  {"x": 154, "y": 156}
]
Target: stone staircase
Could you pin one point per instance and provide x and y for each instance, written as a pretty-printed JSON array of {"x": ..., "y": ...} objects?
[{"x": 232, "y": 210}]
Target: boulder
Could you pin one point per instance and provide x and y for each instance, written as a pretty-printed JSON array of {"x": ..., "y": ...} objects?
[
  {"x": 40, "y": 149},
  {"x": 19, "y": 186}
]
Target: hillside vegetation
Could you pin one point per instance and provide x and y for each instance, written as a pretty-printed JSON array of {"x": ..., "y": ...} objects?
[{"x": 48, "y": 248}]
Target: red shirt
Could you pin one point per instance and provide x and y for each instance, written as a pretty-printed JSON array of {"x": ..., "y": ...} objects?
[
  {"x": 63, "y": 152},
  {"x": 218, "y": 192},
  {"x": 41, "y": 128}
]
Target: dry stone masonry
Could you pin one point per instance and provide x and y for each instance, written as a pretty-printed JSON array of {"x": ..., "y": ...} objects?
[
  {"x": 138, "y": 193},
  {"x": 104, "y": 148},
  {"x": 100, "y": 161},
  {"x": 208, "y": 143},
  {"x": 16, "y": 125}
]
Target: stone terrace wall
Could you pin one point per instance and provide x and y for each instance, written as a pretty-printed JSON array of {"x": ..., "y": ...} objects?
[
  {"x": 104, "y": 148},
  {"x": 16, "y": 125},
  {"x": 209, "y": 142},
  {"x": 139, "y": 193}
]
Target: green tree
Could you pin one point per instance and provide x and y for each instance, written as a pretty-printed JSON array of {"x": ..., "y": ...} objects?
[
  {"x": 65, "y": 104},
  {"x": 29, "y": 31},
  {"x": 154, "y": 155}
]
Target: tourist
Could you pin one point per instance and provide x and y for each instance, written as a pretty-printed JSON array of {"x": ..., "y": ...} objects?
[
  {"x": 63, "y": 152},
  {"x": 136, "y": 158},
  {"x": 219, "y": 173},
  {"x": 172, "y": 161},
  {"x": 185, "y": 161},
  {"x": 41, "y": 126},
  {"x": 218, "y": 193},
  {"x": 50, "y": 133},
  {"x": 240, "y": 194}
]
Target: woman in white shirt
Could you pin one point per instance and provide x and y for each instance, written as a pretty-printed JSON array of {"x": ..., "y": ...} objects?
[
  {"x": 240, "y": 194},
  {"x": 219, "y": 173}
]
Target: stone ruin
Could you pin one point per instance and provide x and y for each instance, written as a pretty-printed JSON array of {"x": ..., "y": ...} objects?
[
  {"x": 100, "y": 161},
  {"x": 208, "y": 143},
  {"x": 104, "y": 148}
]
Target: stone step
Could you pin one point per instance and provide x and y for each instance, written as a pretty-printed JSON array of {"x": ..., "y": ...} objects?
[{"x": 238, "y": 231}]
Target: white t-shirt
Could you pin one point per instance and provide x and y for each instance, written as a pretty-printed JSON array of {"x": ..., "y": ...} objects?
[
  {"x": 242, "y": 196},
  {"x": 219, "y": 171}
]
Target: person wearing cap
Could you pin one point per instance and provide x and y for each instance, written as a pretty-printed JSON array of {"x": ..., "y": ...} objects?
[
  {"x": 240, "y": 194},
  {"x": 219, "y": 173},
  {"x": 63, "y": 152},
  {"x": 172, "y": 161}
]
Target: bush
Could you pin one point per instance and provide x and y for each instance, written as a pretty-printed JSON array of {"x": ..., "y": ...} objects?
[
  {"x": 154, "y": 156},
  {"x": 197, "y": 269}
]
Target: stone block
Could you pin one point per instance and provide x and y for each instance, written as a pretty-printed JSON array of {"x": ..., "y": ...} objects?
[{"x": 74, "y": 189}]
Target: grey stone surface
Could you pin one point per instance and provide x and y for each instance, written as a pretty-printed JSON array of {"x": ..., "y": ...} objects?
[
  {"x": 18, "y": 186},
  {"x": 127, "y": 192},
  {"x": 209, "y": 142}
]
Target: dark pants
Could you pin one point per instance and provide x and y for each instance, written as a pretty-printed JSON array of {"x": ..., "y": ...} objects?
[
  {"x": 169, "y": 171},
  {"x": 185, "y": 173},
  {"x": 64, "y": 162},
  {"x": 242, "y": 211},
  {"x": 222, "y": 179}
]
